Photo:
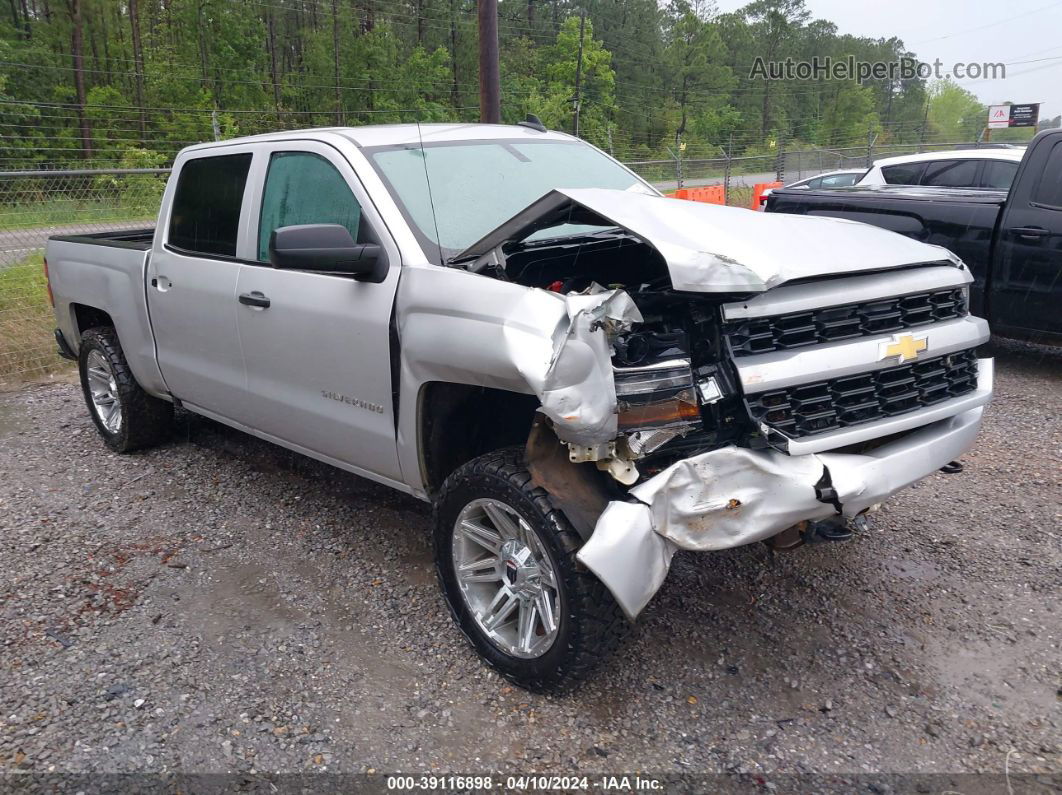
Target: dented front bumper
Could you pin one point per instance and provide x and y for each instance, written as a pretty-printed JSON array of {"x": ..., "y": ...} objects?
[{"x": 734, "y": 496}]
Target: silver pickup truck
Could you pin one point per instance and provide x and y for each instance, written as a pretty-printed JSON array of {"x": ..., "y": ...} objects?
[{"x": 581, "y": 375}]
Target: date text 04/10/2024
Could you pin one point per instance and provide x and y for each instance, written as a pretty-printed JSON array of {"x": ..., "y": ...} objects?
[{"x": 524, "y": 783}]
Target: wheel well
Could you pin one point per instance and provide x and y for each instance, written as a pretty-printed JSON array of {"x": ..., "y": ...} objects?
[
  {"x": 86, "y": 317},
  {"x": 460, "y": 422}
]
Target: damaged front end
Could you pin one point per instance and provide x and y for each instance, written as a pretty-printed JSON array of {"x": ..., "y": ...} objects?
[{"x": 739, "y": 406}]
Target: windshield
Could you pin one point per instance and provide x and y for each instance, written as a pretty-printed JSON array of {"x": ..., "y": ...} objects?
[{"x": 478, "y": 185}]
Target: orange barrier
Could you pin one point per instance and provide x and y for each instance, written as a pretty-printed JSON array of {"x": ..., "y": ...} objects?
[
  {"x": 709, "y": 194},
  {"x": 758, "y": 189}
]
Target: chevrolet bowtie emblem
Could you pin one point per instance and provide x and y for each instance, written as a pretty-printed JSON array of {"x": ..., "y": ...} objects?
[{"x": 904, "y": 346}]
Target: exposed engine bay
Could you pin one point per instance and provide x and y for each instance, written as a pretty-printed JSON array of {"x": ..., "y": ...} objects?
[{"x": 675, "y": 389}]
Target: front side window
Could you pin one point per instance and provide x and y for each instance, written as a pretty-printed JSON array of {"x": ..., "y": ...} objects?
[
  {"x": 304, "y": 188},
  {"x": 1049, "y": 189},
  {"x": 453, "y": 194},
  {"x": 952, "y": 174},
  {"x": 903, "y": 174},
  {"x": 205, "y": 218}
]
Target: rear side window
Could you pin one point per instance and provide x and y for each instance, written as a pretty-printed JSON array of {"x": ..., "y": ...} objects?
[
  {"x": 998, "y": 174},
  {"x": 304, "y": 188},
  {"x": 952, "y": 173},
  {"x": 206, "y": 205},
  {"x": 1049, "y": 191},
  {"x": 903, "y": 174},
  {"x": 840, "y": 180}
]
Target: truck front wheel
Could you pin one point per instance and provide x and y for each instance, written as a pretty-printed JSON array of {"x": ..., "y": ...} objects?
[
  {"x": 506, "y": 562},
  {"x": 126, "y": 416}
]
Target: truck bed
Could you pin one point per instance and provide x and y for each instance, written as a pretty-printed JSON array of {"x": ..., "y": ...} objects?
[
  {"x": 107, "y": 272},
  {"x": 138, "y": 239}
]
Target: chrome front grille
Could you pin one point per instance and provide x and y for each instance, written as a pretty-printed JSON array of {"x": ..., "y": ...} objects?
[
  {"x": 829, "y": 405},
  {"x": 752, "y": 336}
]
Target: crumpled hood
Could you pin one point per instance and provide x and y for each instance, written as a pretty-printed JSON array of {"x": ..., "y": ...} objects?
[{"x": 710, "y": 248}]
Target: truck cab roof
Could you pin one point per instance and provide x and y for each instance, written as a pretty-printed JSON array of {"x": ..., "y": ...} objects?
[{"x": 373, "y": 135}]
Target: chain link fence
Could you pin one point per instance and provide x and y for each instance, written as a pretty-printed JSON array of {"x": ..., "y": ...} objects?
[
  {"x": 737, "y": 175},
  {"x": 797, "y": 165},
  {"x": 37, "y": 204}
]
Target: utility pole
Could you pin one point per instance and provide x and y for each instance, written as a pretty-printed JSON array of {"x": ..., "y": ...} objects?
[
  {"x": 489, "y": 71},
  {"x": 579, "y": 73}
]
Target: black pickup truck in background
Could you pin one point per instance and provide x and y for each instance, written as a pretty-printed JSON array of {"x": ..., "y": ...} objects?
[{"x": 1011, "y": 241}]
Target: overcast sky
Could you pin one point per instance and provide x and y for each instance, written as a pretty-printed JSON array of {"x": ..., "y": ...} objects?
[{"x": 965, "y": 31}]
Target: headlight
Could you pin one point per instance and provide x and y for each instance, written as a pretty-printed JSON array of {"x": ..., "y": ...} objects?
[{"x": 657, "y": 402}]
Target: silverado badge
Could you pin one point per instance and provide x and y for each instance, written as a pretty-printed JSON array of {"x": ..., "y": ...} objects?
[{"x": 904, "y": 346}]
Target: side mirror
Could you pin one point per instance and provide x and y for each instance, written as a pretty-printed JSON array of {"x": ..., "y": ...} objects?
[{"x": 327, "y": 248}]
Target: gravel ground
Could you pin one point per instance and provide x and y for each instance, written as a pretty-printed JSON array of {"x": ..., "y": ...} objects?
[{"x": 219, "y": 604}]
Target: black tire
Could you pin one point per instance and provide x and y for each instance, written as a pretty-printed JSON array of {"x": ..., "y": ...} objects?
[
  {"x": 591, "y": 624},
  {"x": 145, "y": 420}
]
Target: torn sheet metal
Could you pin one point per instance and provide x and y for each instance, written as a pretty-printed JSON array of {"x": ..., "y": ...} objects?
[
  {"x": 716, "y": 500},
  {"x": 715, "y": 249},
  {"x": 627, "y": 556},
  {"x": 575, "y": 383},
  {"x": 734, "y": 496}
]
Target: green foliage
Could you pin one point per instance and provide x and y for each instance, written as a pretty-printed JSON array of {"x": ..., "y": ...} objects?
[
  {"x": 694, "y": 60},
  {"x": 954, "y": 113},
  {"x": 558, "y": 65},
  {"x": 26, "y": 320},
  {"x": 652, "y": 76}
]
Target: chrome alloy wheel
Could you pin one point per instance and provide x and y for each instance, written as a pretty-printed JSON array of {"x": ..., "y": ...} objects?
[
  {"x": 104, "y": 391},
  {"x": 506, "y": 578}
]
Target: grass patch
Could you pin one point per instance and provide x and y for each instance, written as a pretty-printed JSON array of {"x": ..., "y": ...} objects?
[
  {"x": 27, "y": 347},
  {"x": 69, "y": 212},
  {"x": 71, "y": 199},
  {"x": 740, "y": 196}
]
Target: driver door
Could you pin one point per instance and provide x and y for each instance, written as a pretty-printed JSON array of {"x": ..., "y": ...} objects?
[{"x": 316, "y": 346}]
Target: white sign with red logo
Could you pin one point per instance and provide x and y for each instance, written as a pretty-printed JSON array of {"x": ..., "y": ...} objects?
[{"x": 998, "y": 116}]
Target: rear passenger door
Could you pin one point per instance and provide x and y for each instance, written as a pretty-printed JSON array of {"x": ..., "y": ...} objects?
[
  {"x": 192, "y": 276},
  {"x": 318, "y": 358}
]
